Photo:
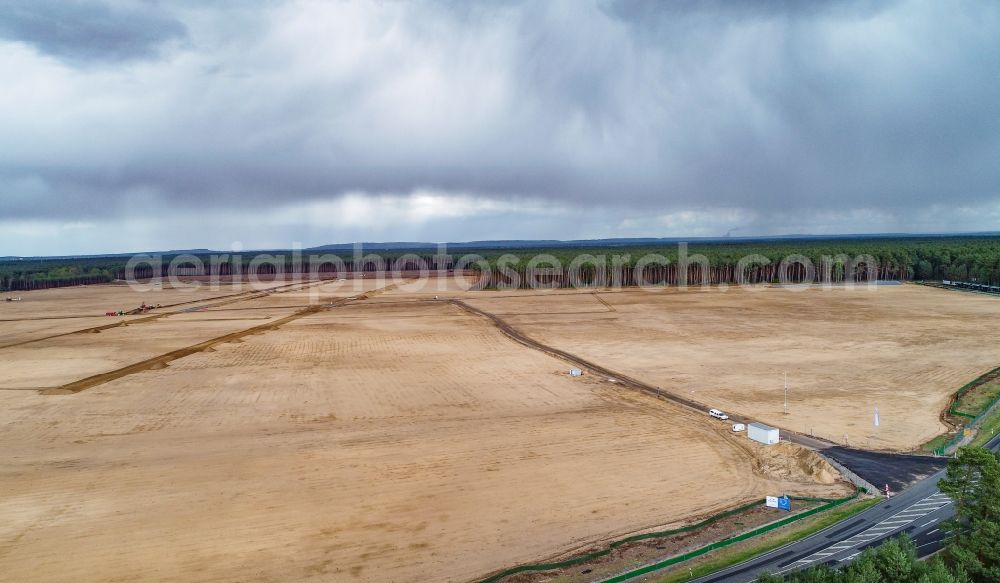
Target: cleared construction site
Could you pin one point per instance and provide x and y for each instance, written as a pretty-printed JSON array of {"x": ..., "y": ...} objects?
[{"x": 358, "y": 430}]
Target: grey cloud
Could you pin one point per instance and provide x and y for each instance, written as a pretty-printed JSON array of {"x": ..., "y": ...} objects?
[
  {"x": 777, "y": 107},
  {"x": 89, "y": 30}
]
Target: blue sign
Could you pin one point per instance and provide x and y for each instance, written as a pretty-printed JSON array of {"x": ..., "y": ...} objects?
[{"x": 785, "y": 503}]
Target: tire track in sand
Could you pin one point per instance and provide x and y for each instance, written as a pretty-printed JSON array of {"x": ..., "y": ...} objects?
[
  {"x": 621, "y": 379},
  {"x": 162, "y": 360},
  {"x": 227, "y": 299},
  {"x": 606, "y": 304}
]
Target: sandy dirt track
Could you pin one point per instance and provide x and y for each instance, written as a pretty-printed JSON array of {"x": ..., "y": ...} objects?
[
  {"x": 906, "y": 349},
  {"x": 378, "y": 441},
  {"x": 95, "y": 300},
  {"x": 38, "y": 351},
  {"x": 56, "y": 361}
]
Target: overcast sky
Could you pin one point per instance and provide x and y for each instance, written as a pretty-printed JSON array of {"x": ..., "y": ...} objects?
[{"x": 138, "y": 125}]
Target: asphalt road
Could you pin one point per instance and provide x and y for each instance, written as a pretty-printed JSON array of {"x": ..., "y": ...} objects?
[
  {"x": 917, "y": 511},
  {"x": 897, "y": 471}
]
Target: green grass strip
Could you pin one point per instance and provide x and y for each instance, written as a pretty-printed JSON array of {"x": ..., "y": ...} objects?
[
  {"x": 729, "y": 541},
  {"x": 665, "y": 533},
  {"x": 989, "y": 427},
  {"x": 765, "y": 546},
  {"x": 965, "y": 389},
  {"x": 943, "y": 443}
]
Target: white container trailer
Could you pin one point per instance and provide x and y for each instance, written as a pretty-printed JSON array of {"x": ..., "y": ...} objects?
[{"x": 763, "y": 433}]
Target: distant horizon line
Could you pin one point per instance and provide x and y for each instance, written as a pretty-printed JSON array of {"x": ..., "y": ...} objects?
[{"x": 522, "y": 243}]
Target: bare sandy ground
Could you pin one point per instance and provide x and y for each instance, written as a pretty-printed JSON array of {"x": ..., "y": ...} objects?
[
  {"x": 379, "y": 441},
  {"x": 45, "y": 313},
  {"x": 40, "y": 349},
  {"x": 56, "y": 361},
  {"x": 314, "y": 294},
  {"x": 95, "y": 300},
  {"x": 34, "y": 329},
  {"x": 905, "y": 349}
]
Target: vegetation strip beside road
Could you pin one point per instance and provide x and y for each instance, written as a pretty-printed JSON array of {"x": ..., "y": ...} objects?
[
  {"x": 966, "y": 553},
  {"x": 975, "y": 401},
  {"x": 989, "y": 426},
  {"x": 975, "y": 405},
  {"x": 731, "y": 557},
  {"x": 578, "y": 560},
  {"x": 730, "y": 541}
]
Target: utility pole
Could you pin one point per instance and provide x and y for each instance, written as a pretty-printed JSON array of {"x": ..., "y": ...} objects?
[{"x": 786, "y": 392}]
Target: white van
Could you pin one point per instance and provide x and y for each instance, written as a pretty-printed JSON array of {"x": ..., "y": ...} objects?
[{"x": 718, "y": 414}]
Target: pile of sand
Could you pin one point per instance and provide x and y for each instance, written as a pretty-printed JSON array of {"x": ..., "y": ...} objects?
[{"x": 790, "y": 462}]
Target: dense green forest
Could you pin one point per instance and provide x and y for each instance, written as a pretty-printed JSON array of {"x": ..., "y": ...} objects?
[
  {"x": 972, "y": 556},
  {"x": 963, "y": 258},
  {"x": 45, "y": 273}
]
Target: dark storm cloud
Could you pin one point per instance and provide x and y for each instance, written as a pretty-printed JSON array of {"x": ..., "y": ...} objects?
[
  {"x": 86, "y": 30},
  {"x": 644, "y": 107}
]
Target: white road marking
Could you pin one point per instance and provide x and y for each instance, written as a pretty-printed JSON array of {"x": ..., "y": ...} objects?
[
  {"x": 927, "y": 505},
  {"x": 905, "y": 516},
  {"x": 941, "y": 541},
  {"x": 892, "y": 523}
]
